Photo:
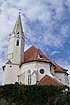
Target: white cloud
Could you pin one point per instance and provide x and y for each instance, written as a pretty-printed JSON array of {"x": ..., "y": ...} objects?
[
  {"x": 67, "y": 2},
  {"x": 69, "y": 42},
  {"x": 53, "y": 40},
  {"x": 55, "y": 52},
  {"x": 64, "y": 30},
  {"x": 34, "y": 10},
  {"x": 38, "y": 12},
  {"x": 27, "y": 46}
]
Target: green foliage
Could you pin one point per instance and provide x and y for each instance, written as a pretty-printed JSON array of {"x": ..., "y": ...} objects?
[
  {"x": 30, "y": 95},
  {"x": 64, "y": 99}
]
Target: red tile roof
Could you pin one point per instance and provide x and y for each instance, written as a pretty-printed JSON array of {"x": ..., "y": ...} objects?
[
  {"x": 32, "y": 54},
  {"x": 47, "y": 80}
]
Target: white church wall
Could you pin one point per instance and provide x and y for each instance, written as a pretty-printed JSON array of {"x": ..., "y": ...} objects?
[
  {"x": 13, "y": 50},
  {"x": 35, "y": 68},
  {"x": 53, "y": 73},
  {"x": 52, "y": 70},
  {"x": 45, "y": 67},
  {"x": 34, "y": 79},
  {"x": 10, "y": 73},
  {"x": 10, "y": 49},
  {"x": 63, "y": 77},
  {"x": 17, "y": 53},
  {"x": 10, "y": 45},
  {"x": 21, "y": 78},
  {"x": 29, "y": 66}
]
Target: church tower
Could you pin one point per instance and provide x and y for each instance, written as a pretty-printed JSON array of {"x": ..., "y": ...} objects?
[
  {"x": 16, "y": 43},
  {"x": 15, "y": 55}
]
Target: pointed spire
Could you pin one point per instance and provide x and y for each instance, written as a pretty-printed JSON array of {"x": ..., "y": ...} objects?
[{"x": 18, "y": 26}]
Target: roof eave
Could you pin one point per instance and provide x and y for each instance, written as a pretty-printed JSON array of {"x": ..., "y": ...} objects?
[{"x": 33, "y": 61}]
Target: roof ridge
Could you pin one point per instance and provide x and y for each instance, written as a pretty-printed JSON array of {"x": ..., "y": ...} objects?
[{"x": 31, "y": 47}]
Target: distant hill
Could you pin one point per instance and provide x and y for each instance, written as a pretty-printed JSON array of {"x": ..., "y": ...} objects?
[{"x": 19, "y": 94}]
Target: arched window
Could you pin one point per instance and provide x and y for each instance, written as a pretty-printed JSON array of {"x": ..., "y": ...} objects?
[
  {"x": 17, "y": 32},
  {"x": 17, "y": 43},
  {"x": 29, "y": 77}
]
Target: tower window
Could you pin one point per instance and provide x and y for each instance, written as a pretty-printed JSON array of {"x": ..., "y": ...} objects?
[
  {"x": 17, "y": 43},
  {"x": 18, "y": 33}
]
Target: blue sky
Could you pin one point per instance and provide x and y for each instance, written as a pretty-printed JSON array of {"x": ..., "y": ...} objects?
[{"x": 46, "y": 24}]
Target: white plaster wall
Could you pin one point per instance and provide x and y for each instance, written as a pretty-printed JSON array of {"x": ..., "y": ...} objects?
[
  {"x": 10, "y": 73},
  {"x": 18, "y": 51},
  {"x": 35, "y": 67},
  {"x": 21, "y": 78},
  {"x": 63, "y": 77},
  {"x": 52, "y": 70},
  {"x": 57, "y": 78},
  {"x": 53, "y": 73},
  {"x": 29, "y": 66},
  {"x": 46, "y": 67},
  {"x": 33, "y": 79},
  {"x": 22, "y": 49},
  {"x": 15, "y": 53},
  {"x": 11, "y": 45}
]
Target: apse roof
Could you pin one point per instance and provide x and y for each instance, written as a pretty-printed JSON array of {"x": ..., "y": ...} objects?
[
  {"x": 35, "y": 54},
  {"x": 47, "y": 80}
]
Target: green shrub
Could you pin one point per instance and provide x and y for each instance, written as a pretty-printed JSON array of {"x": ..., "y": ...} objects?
[{"x": 30, "y": 95}]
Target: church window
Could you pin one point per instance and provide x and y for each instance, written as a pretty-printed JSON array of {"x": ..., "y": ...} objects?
[
  {"x": 29, "y": 77},
  {"x": 40, "y": 56},
  {"x": 17, "y": 43},
  {"x": 42, "y": 71}
]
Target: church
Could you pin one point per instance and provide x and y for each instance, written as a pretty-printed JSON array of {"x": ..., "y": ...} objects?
[{"x": 32, "y": 66}]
